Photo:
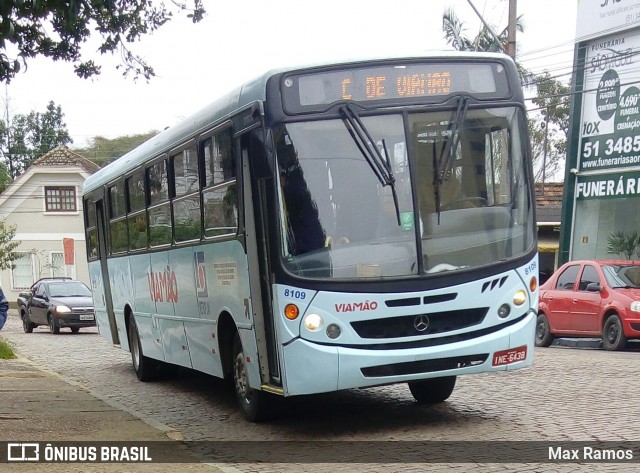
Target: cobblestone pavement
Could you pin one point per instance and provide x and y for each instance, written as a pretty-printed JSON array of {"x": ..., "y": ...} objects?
[{"x": 568, "y": 395}]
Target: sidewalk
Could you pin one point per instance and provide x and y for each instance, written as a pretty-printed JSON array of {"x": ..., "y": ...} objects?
[{"x": 38, "y": 405}]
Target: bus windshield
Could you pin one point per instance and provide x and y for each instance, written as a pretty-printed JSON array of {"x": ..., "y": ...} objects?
[{"x": 461, "y": 188}]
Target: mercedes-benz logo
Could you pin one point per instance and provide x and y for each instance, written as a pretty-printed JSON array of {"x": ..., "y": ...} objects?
[{"x": 421, "y": 323}]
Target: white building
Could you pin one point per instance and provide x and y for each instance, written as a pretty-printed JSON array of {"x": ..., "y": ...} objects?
[{"x": 45, "y": 205}]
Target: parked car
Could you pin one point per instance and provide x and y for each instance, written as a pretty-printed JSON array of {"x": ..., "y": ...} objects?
[
  {"x": 58, "y": 303},
  {"x": 591, "y": 298}
]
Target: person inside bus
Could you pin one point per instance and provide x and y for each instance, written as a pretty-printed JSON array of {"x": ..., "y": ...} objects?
[{"x": 305, "y": 231}]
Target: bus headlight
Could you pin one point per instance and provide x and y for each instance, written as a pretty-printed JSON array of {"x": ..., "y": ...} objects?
[
  {"x": 520, "y": 297},
  {"x": 62, "y": 309},
  {"x": 503, "y": 311},
  {"x": 313, "y": 322},
  {"x": 333, "y": 331}
]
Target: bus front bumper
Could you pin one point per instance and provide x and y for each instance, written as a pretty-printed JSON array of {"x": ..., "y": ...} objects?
[{"x": 312, "y": 368}]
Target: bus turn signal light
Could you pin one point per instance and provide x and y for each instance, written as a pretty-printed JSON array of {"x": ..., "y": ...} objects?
[
  {"x": 291, "y": 311},
  {"x": 533, "y": 284}
]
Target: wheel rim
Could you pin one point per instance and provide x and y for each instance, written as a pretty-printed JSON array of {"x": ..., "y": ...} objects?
[
  {"x": 542, "y": 330},
  {"x": 612, "y": 333},
  {"x": 241, "y": 379},
  {"x": 52, "y": 326},
  {"x": 25, "y": 323}
]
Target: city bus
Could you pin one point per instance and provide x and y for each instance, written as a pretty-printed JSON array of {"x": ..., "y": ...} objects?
[{"x": 329, "y": 227}]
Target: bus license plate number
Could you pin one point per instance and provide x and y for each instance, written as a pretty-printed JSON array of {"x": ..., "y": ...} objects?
[
  {"x": 86, "y": 316},
  {"x": 506, "y": 357}
]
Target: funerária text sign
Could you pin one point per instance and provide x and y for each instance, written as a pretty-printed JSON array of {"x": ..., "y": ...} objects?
[{"x": 610, "y": 186}]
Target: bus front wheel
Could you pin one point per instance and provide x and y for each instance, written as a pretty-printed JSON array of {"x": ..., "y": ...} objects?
[
  {"x": 432, "y": 391},
  {"x": 256, "y": 405},
  {"x": 146, "y": 369}
]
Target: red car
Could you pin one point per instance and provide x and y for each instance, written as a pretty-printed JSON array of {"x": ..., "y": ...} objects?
[{"x": 591, "y": 298}]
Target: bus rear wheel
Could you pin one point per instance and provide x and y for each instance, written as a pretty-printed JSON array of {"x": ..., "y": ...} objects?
[
  {"x": 147, "y": 369},
  {"x": 432, "y": 391},
  {"x": 256, "y": 405}
]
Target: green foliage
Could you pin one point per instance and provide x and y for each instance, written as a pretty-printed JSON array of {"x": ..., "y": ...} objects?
[
  {"x": 625, "y": 244},
  {"x": 103, "y": 150},
  {"x": 549, "y": 127},
  {"x": 7, "y": 245},
  {"x": 6, "y": 353},
  {"x": 31, "y": 136},
  {"x": 59, "y": 29}
]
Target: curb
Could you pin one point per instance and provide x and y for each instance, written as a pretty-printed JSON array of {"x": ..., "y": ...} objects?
[{"x": 578, "y": 342}]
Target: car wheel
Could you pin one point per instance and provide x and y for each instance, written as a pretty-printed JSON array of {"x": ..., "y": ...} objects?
[
  {"x": 53, "y": 325},
  {"x": 75, "y": 329},
  {"x": 544, "y": 338},
  {"x": 27, "y": 325},
  {"x": 257, "y": 406},
  {"x": 432, "y": 391},
  {"x": 147, "y": 369},
  {"x": 612, "y": 335}
]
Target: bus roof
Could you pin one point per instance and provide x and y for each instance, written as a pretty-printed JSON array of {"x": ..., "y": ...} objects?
[{"x": 225, "y": 106}]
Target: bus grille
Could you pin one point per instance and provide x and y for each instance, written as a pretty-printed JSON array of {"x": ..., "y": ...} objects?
[
  {"x": 410, "y": 325},
  {"x": 424, "y": 366}
]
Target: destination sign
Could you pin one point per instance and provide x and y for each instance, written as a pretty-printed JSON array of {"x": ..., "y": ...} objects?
[{"x": 394, "y": 82}]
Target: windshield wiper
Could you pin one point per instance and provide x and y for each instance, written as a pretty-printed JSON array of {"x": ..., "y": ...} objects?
[
  {"x": 444, "y": 163},
  {"x": 380, "y": 165}
]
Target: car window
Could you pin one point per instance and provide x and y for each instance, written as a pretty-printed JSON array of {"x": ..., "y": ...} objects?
[
  {"x": 69, "y": 289},
  {"x": 39, "y": 290},
  {"x": 567, "y": 279},
  {"x": 589, "y": 275}
]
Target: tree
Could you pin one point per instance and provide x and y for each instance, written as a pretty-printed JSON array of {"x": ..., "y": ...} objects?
[
  {"x": 7, "y": 245},
  {"x": 104, "y": 150},
  {"x": 621, "y": 243},
  {"x": 30, "y": 136},
  {"x": 59, "y": 29},
  {"x": 453, "y": 29},
  {"x": 548, "y": 128}
]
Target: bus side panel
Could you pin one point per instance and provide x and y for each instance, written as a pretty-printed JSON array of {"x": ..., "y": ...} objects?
[
  {"x": 99, "y": 301},
  {"x": 144, "y": 306},
  {"x": 121, "y": 293}
]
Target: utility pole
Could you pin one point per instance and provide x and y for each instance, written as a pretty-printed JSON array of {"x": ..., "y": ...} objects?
[
  {"x": 8, "y": 127},
  {"x": 511, "y": 29}
]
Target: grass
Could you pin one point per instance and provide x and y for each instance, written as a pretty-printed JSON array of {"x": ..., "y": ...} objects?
[{"x": 6, "y": 353}]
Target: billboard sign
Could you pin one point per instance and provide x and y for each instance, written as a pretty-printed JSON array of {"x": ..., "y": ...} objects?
[{"x": 610, "y": 122}]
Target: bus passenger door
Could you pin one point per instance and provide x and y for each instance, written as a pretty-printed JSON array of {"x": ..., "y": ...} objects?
[
  {"x": 258, "y": 240},
  {"x": 104, "y": 269}
]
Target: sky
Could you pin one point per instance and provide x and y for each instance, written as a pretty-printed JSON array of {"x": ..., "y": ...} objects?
[{"x": 196, "y": 63}]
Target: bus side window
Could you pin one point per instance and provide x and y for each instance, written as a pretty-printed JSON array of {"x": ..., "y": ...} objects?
[
  {"x": 118, "y": 235},
  {"x": 160, "y": 226},
  {"x": 220, "y": 196},
  {"x": 186, "y": 205}
]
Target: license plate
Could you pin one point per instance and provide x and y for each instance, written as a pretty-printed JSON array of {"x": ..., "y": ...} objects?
[
  {"x": 506, "y": 357},
  {"x": 86, "y": 316}
]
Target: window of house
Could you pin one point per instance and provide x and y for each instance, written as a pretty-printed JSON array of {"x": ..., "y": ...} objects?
[
  {"x": 60, "y": 199},
  {"x": 22, "y": 272},
  {"x": 57, "y": 264}
]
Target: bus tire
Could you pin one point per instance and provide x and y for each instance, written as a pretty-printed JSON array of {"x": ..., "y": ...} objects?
[
  {"x": 613, "y": 337},
  {"x": 256, "y": 405},
  {"x": 544, "y": 337},
  {"x": 432, "y": 391},
  {"x": 147, "y": 369}
]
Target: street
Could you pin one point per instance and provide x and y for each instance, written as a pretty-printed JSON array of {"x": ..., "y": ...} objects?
[{"x": 569, "y": 394}]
